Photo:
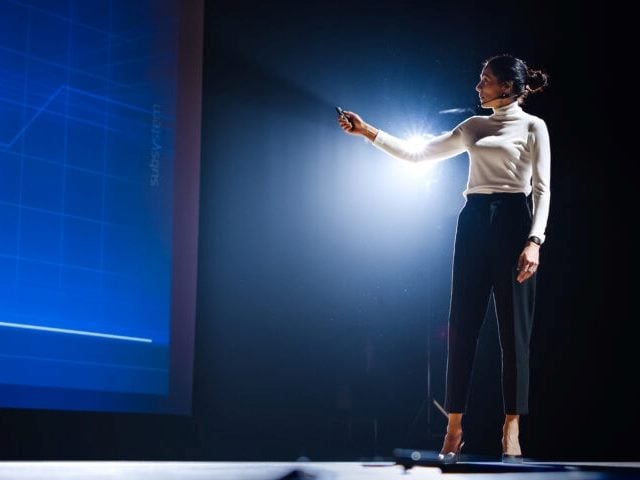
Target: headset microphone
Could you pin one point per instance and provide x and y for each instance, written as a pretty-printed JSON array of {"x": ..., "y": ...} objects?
[{"x": 504, "y": 95}]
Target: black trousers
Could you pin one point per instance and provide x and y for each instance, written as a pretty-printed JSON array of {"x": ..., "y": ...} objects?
[{"x": 491, "y": 233}]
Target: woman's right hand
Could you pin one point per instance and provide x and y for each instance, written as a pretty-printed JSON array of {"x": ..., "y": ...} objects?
[{"x": 352, "y": 123}]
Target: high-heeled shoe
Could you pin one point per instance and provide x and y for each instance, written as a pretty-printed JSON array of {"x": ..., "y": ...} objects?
[
  {"x": 507, "y": 458},
  {"x": 449, "y": 458}
]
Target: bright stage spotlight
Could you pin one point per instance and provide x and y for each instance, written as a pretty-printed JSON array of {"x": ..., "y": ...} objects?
[
  {"x": 417, "y": 141},
  {"x": 420, "y": 172}
]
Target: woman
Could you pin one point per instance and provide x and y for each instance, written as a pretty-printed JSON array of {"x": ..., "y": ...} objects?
[{"x": 497, "y": 237}]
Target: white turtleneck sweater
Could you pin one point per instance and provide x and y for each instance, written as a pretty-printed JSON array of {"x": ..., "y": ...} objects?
[{"x": 509, "y": 151}]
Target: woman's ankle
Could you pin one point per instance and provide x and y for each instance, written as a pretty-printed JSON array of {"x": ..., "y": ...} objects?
[
  {"x": 451, "y": 442},
  {"x": 511, "y": 445}
]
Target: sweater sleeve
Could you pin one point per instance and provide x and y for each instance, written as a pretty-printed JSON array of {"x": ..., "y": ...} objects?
[
  {"x": 541, "y": 176},
  {"x": 447, "y": 145}
]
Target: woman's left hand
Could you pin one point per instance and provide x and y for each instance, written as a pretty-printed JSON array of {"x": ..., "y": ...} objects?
[{"x": 528, "y": 262}]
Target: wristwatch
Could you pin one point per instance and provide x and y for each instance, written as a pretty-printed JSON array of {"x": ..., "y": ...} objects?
[{"x": 535, "y": 240}]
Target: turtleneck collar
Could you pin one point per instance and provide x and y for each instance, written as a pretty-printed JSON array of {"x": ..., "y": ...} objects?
[{"x": 509, "y": 109}]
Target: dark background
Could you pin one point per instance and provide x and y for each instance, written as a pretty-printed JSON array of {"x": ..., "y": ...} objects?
[{"x": 323, "y": 285}]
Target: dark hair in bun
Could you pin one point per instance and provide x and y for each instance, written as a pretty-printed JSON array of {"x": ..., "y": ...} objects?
[{"x": 524, "y": 80}]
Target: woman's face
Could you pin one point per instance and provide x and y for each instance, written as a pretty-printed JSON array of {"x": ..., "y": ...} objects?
[{"x": 490, "y": 90}]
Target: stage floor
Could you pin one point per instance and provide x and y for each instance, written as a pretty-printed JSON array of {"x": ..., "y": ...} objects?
[{"x": 107, "y": 470}]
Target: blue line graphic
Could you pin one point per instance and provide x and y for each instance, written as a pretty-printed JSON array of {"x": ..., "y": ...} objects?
[
  {"x": 53, "y": 96},
  {"x": 68, "y": 331}
]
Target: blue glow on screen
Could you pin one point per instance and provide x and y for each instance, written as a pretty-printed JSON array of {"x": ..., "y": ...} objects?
[{"x": 87, "y": 147}]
